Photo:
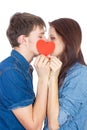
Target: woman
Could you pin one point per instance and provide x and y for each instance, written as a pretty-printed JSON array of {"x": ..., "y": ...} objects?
[{"x": 67, "y": 95}]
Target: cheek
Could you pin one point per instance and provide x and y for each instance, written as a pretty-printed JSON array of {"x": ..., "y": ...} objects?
[
  {"x": 55, "y": 52},
  {"x": 58, "y": 50}
]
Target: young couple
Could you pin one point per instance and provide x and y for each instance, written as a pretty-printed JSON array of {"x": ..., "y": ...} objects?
[{"x": 61, "y": 99}]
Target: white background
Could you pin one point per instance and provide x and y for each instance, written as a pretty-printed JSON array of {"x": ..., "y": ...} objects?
[{"x": 48, "y": 10}]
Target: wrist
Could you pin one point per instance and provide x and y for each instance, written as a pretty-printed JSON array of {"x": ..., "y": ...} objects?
[
  {"x": 53, "y": 78},
  {"x": 43, "y": 80}
]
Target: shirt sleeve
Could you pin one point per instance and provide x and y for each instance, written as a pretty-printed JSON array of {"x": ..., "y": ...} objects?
[
  {"x": 73, "y": 96},
  {"x": 15, "y": 92}
]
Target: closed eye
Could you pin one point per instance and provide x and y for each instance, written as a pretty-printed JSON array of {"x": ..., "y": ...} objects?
[
  {"x": 52, "y": 38},
  {"x": 40, "y": 36}
]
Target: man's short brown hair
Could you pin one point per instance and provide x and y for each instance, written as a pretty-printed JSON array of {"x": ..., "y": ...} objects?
[{"x": 22, "y": 24}]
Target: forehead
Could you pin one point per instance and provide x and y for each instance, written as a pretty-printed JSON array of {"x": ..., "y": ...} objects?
[
  {"x": 52, "y": 31},
  {"x": 51, "y": 28},
  {"x": 38, "y": 29}
]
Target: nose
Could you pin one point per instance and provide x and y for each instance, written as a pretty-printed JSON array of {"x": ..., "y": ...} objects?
[
  {"x": 44, "y": 38},
  {"x": 48, "y": 38}
]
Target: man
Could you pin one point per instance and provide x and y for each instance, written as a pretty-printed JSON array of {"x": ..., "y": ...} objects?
[{"x": 19, "y": 109}]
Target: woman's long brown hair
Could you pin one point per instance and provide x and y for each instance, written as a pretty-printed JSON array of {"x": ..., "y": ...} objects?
[{"x": 71, "y": 34}]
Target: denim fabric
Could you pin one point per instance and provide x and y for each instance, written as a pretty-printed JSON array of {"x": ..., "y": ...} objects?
[
  {"x": 73, "y": 100},
  {"x": 16, "y": 89}
]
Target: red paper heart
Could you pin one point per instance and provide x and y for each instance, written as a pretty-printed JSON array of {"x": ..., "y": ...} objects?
[{"x": 44, "y": 47}]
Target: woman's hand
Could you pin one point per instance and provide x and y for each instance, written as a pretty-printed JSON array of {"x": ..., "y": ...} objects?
[
  {"x": 55, "y": 65},
  {"x": 53, "y": 101}
]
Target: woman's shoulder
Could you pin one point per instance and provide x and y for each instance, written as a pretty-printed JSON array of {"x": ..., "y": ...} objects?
[
  {"x": 76, "y": 81},
  {"x": 76, "y": 69},
  {"x": 77, "y": 74}
]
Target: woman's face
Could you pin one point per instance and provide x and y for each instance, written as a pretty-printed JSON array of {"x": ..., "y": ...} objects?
[{"x": 57, "y": 39}]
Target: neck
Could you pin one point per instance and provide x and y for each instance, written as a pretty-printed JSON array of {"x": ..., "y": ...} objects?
[{"x": 27, "y": 55}]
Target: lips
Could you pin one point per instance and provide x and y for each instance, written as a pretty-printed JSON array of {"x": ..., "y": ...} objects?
[{"x": 44, "y": 47}]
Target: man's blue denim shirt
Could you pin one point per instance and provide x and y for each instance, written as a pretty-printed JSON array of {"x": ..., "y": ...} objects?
[
  {"x": 73, "y": 100},
  {"x": 16, "y": 89}
]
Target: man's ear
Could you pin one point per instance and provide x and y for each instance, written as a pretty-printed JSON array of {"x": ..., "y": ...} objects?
[{"x": 21, "y": 39}]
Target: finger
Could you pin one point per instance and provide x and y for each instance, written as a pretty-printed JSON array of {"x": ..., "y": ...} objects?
[
  {"x": 42, "y": 58},
  {"x": 53, "y": 66},
  {"x": 46, "y": 60},
  {"x": 41, "y": 62},
  {"x": 56, "y": 60},
  {"x": 37, "y": 60}
]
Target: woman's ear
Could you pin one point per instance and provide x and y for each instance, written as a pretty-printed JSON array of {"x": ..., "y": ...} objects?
[{"x": 21, "y": 39}]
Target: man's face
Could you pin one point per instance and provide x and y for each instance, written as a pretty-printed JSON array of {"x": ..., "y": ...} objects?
[{"x": 37, "y": 33}]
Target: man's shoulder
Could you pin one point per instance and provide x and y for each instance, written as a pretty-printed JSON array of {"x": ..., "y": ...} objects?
[{"x": 6, "y": 63}]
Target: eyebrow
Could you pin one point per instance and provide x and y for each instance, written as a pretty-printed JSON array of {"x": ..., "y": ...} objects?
[
  {"x": 42, "y": 33},
  {"x": 51, "y": 35}
]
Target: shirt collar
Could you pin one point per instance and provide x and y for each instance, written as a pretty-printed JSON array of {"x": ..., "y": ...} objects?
[{"x": 22, "y": 60}]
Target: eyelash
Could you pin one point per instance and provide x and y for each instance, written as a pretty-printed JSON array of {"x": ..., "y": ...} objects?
[
  {"x": 40, "y": 36},
  {"x": 52, "y": 38}
]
